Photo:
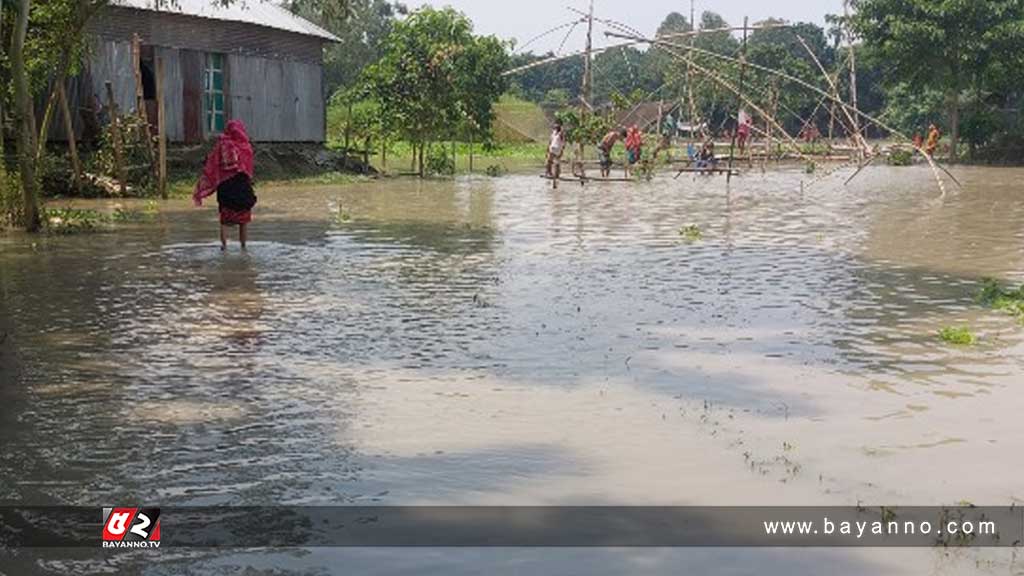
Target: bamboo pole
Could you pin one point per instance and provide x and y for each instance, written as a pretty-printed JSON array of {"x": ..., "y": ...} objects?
[
  {"x": 69, "y": 129},
  {"x": 115, "y": 137},
  {"x": 586, "y": 94},
  {"x": 858, "y": 140},
  {"x": 637, "y": 39},
  {"x": 853, "y": 64},
  {"x": 753, "y": 105},
  {"x": 161, "y": 130},
  {"x": 887, "y": 127},
  {"x": 743, "y": 68}
]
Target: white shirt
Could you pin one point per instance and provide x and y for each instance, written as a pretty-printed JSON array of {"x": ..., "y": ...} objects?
[{"x": 557, "y": 142}]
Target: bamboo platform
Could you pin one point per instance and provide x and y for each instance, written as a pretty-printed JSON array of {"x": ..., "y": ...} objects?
[
  {"x": 586, "y": 179},
  {"x": 695, "y": 170}
]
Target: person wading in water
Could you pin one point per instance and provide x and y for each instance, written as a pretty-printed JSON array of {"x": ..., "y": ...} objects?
[
  {"x": 556, "y": 147},
  {"x": 228, "y": 173}
]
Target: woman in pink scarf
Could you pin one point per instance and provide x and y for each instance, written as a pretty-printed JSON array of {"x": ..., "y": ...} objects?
[{"x": 228, "y": 173}]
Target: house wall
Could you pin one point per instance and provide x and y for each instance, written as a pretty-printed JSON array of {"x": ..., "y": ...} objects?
[{"x": 273, "y": 81}]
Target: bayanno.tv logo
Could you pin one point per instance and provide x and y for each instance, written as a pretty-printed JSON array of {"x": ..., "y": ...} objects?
[{"x": 131, "y": 527}]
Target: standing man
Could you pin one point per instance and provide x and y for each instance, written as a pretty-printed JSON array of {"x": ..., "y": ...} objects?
[
  {"x": 555, "y": 149},
  {"x": 604, "y": 150}
]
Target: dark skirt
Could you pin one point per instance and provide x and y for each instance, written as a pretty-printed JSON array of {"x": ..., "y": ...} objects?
[{"x": 235, "y": 199}]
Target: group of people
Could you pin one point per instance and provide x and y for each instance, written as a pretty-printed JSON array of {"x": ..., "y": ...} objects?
[
  {"x": 632, "y": 137},
  {"x": 930, "y": 145},
  {"x": 633, "y": 140}
]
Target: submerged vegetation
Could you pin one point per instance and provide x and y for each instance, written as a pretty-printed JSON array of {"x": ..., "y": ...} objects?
[
  {"x": 73, "y": 220},
  {"x": 69, "y": 220},
  {"x": 691, "y": 233},
  {"x": 958, "y": 336},
  {"x": 1007, "y": 300}
]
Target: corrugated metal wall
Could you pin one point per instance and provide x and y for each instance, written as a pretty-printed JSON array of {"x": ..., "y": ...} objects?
[
  {"x": 278, "y": 101},
  {"x": 111, "y": 61},
  {"x": 173, "y": 109}
]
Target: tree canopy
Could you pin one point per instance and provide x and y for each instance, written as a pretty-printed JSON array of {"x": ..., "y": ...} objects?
[
  {"x": 435, "y": 77},
  {"x": 950, "y": 46}
]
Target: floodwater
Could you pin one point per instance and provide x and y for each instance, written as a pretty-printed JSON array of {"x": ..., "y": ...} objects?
[{"x": 491, "y": 341}]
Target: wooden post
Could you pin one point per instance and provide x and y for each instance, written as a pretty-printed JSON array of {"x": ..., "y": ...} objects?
[
  {"x": 743, "y": 67},
  {"x": 140, "y": 98},
  {"x": 161, "y": 130},
  {"x": 115, "y": 137},
  {"x": 69, "y": 128}
]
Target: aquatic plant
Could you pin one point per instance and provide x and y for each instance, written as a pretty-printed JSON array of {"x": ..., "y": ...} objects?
[
  {"x": 1007, "y": 300},
  {"x": 72, "y": 220},
  {"x": 691, "y": 233},
  {"x": 495, "y": 170},
  {"x": 343, "y": 216},
  {"x": 122, "y": 214},
  {"x": 810, "y": 167},
  {"x": 958, "y": 336}
]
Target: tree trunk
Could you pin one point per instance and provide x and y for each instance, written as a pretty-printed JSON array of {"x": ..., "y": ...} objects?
[
  {"x": 954, "y": 125},
  {"x": 2, "y": 123},
  {"x": 422, "y": 146},
  {"x": 23, "y": 105}
]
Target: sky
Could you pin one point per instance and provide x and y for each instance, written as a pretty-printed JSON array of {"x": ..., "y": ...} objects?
[{"x": 524, "y": 19}]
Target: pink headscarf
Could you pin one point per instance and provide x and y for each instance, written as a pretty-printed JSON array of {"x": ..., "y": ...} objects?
[{"x": 231, "y": 156}]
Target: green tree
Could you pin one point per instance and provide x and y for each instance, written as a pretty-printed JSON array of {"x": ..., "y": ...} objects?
[
  {"x": 948, "y": 45},
  {"x": 361, "y": 29},
  {"x": 435, "y": 76}
]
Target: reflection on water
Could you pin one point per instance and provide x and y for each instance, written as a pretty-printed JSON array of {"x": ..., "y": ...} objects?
[{"x": 493, "y": 341}]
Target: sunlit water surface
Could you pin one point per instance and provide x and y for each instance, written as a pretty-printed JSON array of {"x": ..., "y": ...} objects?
[{"x": 491, "y": 341}]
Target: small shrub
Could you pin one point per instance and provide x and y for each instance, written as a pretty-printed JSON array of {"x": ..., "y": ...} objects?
[
  {"x": 495, "y": 170},
  {"x": 958, "y": 336},
  {"x": 901, "y": 157},
  {"x": 439, "y": 162},
  {"x": 138, "y": 167}
]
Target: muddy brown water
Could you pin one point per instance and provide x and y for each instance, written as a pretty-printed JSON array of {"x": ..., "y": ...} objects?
[{"x": 491, "y": 341}]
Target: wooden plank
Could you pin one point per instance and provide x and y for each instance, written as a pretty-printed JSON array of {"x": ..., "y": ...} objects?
[{"x": 587, "y": 179}]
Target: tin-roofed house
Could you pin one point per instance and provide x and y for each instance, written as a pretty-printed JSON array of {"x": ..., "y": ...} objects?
[{"x": 253, "y": 61}]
